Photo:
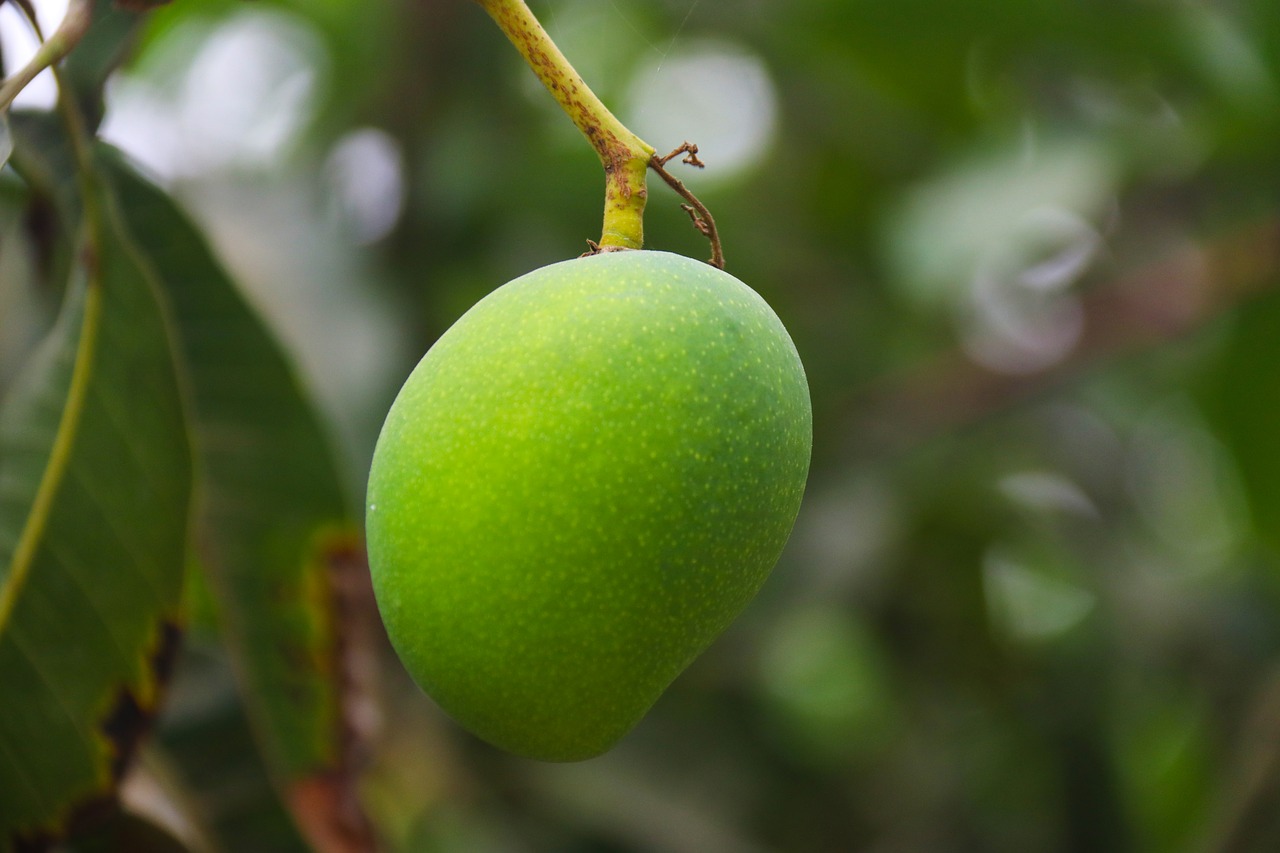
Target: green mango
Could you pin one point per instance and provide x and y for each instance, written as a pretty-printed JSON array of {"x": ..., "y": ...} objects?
[{"x": 578, "y": 488}]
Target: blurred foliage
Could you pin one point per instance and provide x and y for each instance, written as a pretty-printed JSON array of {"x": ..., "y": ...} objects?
[{"x": 1029, "y": 252}]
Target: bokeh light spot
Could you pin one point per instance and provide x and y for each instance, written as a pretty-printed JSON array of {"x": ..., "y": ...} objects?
[
  {"x": 715, "y": 94},
  {"x": 366, "y": 173},
  {"x": 240, "y": 102}
]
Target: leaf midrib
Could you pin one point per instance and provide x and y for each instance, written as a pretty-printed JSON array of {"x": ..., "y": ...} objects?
[{"x": 59, "y": 455}]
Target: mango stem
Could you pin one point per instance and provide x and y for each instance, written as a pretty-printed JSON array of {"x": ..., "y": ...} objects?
[{"x": 624, "y": 155}]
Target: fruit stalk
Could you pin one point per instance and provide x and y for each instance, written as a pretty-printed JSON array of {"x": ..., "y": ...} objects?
[{"x": 624, "y": 155}]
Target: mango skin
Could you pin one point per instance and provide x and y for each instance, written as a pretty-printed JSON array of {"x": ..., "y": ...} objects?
[{"x": 578, "y": 488}]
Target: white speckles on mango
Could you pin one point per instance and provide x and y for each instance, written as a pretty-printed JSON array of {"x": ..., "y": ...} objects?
[{"x": 580, "y": 485}]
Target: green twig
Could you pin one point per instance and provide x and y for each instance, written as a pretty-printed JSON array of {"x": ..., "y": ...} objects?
[{"x": 73, "y": 27}]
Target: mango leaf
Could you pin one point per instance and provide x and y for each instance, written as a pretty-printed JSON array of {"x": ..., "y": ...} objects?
[
  {"x": 95, "y": 487},
  {"x": 275, "y": 528}
]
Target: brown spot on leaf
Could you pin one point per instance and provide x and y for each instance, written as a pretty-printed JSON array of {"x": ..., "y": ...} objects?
[
  {"x": 84, "y": 818},
  {"x": 103, "y": 824},
  {"x": 124, "y": 727},
  {"x": 130, "y": 717}
]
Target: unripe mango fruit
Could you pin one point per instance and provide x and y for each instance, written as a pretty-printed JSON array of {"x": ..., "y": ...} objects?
[{"x": 578, "y": 488}]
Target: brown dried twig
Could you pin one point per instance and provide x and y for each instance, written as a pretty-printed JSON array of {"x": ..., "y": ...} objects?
[{"x": 698, "y": 212}]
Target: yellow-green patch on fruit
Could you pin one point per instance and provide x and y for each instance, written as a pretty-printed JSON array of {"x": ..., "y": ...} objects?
[{"x": 578, "y": 488}]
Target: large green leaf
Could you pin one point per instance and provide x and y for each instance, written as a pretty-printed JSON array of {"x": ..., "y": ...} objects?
[
  {"x": 274, "y": 523},
  {"x": 95, "y": 485}
]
